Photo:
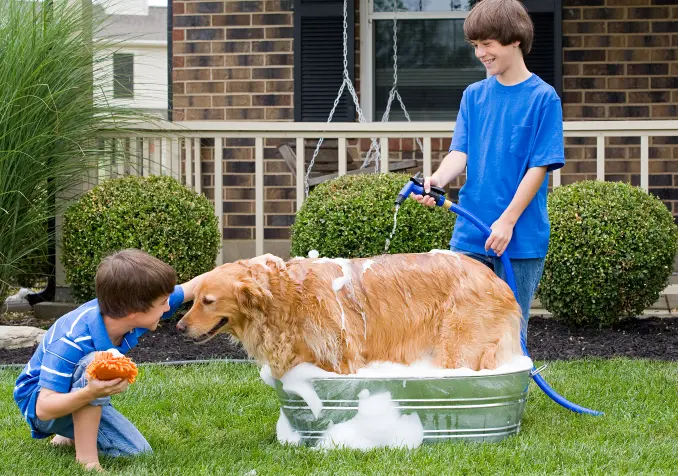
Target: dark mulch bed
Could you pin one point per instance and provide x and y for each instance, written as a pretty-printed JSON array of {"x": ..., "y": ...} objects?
[
  {"x": 647, "y": 338},
  {"x": 652, "y": 338}
]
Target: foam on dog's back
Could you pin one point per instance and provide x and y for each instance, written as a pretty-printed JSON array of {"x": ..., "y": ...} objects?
[{"x": 345, "y": 280}]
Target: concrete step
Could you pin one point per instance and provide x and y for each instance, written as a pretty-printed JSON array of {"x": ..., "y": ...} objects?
[
  {"x": 665, "y": 301},
  {"x": 52, "y": 310}
]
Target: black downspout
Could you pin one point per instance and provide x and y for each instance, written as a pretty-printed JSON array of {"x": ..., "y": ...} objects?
[
  {"x": 49, "y": 293},
  {"x": 170, "y": 27},
  {"x": 558, "y": 46}
]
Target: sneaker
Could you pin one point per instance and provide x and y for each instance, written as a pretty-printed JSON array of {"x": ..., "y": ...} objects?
[{"x": 19, "y": 297}]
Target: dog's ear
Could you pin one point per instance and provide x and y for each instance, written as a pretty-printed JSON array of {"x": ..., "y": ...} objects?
[{"x": 253, "y": 289}]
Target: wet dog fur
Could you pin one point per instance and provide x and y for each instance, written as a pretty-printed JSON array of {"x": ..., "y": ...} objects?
[{"x": 398, "y": 308}]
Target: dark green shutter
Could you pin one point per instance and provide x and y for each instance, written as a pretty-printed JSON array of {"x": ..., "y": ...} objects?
[
  {"x": 319, "y": 60},
  {"x": 545, "y": 59}
]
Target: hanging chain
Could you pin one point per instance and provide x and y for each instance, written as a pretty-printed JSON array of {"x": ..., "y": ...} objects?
[
  {"x": 392, "y": 94},
  {"x": 346, "y": 82}
]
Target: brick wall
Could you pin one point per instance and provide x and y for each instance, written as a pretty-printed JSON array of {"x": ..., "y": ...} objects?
[
  {"x": 233, "y": 60},
  {"x": 620, "y": 62},
  {"x": 620, "y": 59}
]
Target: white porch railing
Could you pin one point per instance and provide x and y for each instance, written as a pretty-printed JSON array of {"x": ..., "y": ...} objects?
[{"x": 157, "y": 149}]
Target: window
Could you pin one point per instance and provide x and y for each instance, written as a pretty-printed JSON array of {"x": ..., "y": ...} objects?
[
  {"x": 435, "y": 63},
  {"x": 123, "y": 75}
]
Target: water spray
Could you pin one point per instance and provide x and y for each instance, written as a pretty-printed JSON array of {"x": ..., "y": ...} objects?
[{"x": 416, "y": 186}]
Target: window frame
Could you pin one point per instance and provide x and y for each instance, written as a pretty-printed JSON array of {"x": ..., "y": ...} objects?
[
  {"x": 367, "y": 39},
  {"x": 118, "y": 86}
]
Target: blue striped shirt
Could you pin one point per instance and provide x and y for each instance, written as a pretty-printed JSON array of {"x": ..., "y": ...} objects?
[{"x": 68, "y": 340}]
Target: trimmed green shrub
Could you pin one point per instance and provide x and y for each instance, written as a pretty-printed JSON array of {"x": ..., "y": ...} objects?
[
  {"x": 611, "y": 252},
  {"x": 155, "y": 214},
  {"x": 352, "y": 217}
]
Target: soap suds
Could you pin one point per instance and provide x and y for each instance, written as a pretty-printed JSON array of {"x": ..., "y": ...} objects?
[
  {"x": 340, "y": 282},
  {"x": 367, "y": 264},
  {"x": 445, "y": 252},
  {"x": 378, "y": 424},
  {"x": 285, "y": 432},
  {"x": 297, "y": 381}
]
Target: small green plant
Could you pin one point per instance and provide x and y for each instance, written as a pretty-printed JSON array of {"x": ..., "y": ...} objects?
[
  {"x": 611, "y": 252},
  {"x": 155, "y": 214},
  {"x": 352, "y": 217}
]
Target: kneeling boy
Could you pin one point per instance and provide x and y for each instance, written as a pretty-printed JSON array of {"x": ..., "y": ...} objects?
[{"x": 134, "y": 291}]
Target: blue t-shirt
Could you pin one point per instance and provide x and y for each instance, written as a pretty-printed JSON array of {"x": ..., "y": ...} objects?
[
  {"x": 505, "y": 130},
  {"x": 69, "y": 339}
]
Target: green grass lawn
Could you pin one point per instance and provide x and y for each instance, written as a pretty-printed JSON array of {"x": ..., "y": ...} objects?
[{"x": 220, "y": 419}]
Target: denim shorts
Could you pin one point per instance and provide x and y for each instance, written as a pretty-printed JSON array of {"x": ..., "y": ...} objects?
[
  {"x": 527, "y": 272},
  {"x": 117, "y": 436}
]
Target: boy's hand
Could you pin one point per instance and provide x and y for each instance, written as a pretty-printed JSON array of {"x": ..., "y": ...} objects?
[
  {"x": 499, "y": 239},
  {"x": 268, "y": 258},
  {"x": 106, "y": 388},
  {"x": 425, "y": 199}
]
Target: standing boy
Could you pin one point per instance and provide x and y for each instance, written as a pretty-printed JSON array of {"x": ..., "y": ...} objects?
[{"x": 508, "y": 136}]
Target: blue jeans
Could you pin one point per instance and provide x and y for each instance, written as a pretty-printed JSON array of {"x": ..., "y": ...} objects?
[
  {"x": 117, "y": 436},
  {"x": 526, "y": 271}
]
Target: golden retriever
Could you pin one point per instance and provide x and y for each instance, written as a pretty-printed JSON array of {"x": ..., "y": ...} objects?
[{"x": 341, "y": 315}]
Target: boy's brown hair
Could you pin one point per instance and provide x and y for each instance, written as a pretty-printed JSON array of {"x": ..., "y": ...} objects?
[
  {"x": 130, "y": 281},
  {"x": 505, "y": 21}
]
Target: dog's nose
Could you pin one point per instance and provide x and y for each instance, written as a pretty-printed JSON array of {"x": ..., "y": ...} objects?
[{"x": 181, "y": 326}]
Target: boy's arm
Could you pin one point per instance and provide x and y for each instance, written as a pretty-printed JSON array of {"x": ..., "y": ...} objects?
[
  {"x": 190, "y": 287},
  {"x": 450, "y": 168},
  {"x": 502, "y": 229},
  {"x": 454, "y": 162},
  {"x": 53, "y": 404}
]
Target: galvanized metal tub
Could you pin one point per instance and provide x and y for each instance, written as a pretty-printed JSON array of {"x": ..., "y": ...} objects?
[{"x": 483, "y": 408}]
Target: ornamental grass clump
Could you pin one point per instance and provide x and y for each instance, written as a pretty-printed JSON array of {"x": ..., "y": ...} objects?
[{"x": 51, "y": 114}]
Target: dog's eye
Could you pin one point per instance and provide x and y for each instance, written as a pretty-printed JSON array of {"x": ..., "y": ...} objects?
[{"x": 207, "y": 300}]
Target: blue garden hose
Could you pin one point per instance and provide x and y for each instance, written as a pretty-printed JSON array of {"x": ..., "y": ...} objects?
[{"x": 415, "y": 185}]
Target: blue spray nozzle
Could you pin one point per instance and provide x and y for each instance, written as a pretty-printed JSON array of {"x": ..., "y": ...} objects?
[{"x": 416, "y": 185}]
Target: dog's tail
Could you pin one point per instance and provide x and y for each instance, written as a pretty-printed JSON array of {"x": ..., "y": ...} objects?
[{"x": 508, "y": 345}]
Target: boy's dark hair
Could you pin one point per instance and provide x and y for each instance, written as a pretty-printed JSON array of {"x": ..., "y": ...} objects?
[
  {"x": 130, "y": 280},
  {"x": 505, "y": 21}
]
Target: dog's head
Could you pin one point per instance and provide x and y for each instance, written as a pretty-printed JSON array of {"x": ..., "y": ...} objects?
[{"x": 226, "y": 299}]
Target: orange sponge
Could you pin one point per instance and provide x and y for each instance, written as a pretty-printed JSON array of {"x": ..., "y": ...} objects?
[{"x": 108, "y": 366}]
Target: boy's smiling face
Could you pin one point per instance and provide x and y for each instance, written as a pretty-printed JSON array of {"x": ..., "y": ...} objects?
[
  {"x": 497, "y": 58},
  {"x": 150, "y": 319}
]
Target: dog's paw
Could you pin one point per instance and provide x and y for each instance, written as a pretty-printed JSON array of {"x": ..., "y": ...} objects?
[{"x": 267, "y": 258}]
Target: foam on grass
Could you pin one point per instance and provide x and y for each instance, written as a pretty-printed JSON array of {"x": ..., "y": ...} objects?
[
  {"x": 378, "y": 424},
  {"x": 284, "y": 431}
]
